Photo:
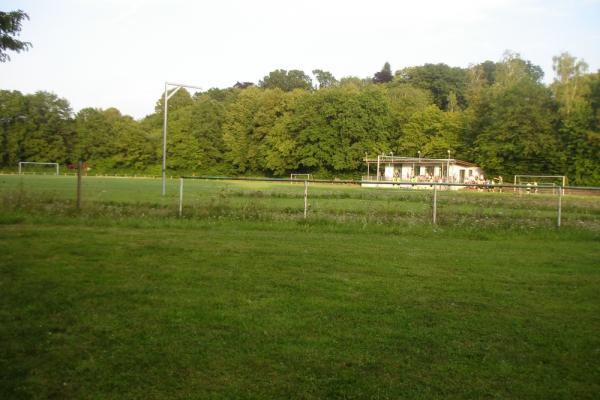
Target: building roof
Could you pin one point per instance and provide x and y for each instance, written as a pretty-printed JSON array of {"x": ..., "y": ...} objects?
[{"x": 417, "y": 160}]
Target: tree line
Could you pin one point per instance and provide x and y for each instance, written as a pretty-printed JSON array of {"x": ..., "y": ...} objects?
[{"x": 499, "y": 115}]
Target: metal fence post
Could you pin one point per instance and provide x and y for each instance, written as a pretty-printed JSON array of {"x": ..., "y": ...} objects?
[
  {"x": 305, "y": 198},
  {"x": 180, "y": 197},
  {"x": 434, "y": 204},
  {"x": 560, "y": 191},
  {"x": 78, "y": 185}
]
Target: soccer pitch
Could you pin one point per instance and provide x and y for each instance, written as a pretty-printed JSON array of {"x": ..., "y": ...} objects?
[{"x": 242, "y": 298}]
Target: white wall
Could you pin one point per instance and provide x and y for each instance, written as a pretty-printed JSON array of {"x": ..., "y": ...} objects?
[
  {"x": 389, "y": 172},
  {"x": 469, "y": 171}
]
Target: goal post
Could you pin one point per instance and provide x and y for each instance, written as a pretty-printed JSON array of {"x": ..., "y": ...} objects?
[
  {"x": 55, "y": 166},
  {"x": 300, "y": 177},
  {"x": 540, "y": 183}
]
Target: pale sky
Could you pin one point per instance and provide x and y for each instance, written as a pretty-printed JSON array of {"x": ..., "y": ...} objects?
[{"x": 119, "y": 53}]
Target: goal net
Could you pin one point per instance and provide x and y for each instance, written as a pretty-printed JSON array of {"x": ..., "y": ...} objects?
[
  {"x": 300, "y": 177},
  {"x": 45, "y": 168},
  {"x": 540, "y": 183}
]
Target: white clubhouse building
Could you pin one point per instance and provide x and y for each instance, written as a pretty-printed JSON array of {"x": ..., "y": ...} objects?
[{"x": 387, "y": 170}]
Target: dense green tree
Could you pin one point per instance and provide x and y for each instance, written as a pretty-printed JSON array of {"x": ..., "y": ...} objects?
[
  {"x": 441, "y": 80},
  {"x": 480, "y": 78},
  {"x": 594, "y": 96},
  {"x": 243, "y": 149},
  {"x": 513, "y": 69},
  {"x": 337, "y": 126},
  {"x": 135, "y": 146},
  {"x": 222, "y": 96},
  {"x": 385, "y": 75},
  {"x": 272, "y": 125},
  {"x": 281, "y": 155},
  {"x": 488, "y": 69},
  {"x": 578, "y": 127},
  {"x": 515, "y": 130},
  {"x": 10, "y": 28},
  {"x": 257, "y": 134},
  {"x": 46, "y": 132},
  {"x": 180, "y": 99},
  {"x": 152, "y": 125},
  {"x": 569, "y": 87},
  {"x": 95, "y": 134},
  {"x": 14, "y": 115},
  {"x": 324, "y": 78},
  {"x": 405, "y": 100},
  {"x": 183, "y": 147},
  {"x": 356, "y": 82},
  {"x": 286, "y": 80},
  {"x": 498, "y": 114},
  {"x": 581, "y": 139},
  {"x": 478, "y": 82},
  {"x": 107, "y": 140},
  {"x": 207, "y": 118},
  {"x": 430, "y": 131}
]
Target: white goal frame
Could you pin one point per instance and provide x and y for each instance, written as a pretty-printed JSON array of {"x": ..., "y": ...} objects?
[
  {"x": 21, "y": 163},
  {"x": 542, "y": 185},
  {"x": 293, "y": 177}
]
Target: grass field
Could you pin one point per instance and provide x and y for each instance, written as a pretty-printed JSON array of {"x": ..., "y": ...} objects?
[
  {"x": 244, "y": 299},
  {"x": 141, "y": 197}
]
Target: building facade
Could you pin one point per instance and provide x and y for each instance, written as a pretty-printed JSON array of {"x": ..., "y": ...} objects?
[{"x": 385, "y": 170}]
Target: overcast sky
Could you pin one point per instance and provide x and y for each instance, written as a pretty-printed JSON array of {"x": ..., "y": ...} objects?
[{"x": 119, "y": 53}]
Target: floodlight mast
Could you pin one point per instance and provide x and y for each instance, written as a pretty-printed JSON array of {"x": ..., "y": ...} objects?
[{"x": 166, "y": 100}]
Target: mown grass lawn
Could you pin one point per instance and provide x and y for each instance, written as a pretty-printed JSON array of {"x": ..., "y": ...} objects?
[
  {"x": 216, "y": 308},
  {"x": 242, "y": 298}
]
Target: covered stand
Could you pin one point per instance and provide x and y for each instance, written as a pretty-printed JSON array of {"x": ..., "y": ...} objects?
[{"x": 391, "y": 169}]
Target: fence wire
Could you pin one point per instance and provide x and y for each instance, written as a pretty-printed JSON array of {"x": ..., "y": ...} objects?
[
  {"x": 312, "y": 200},
  {"x": 350, "y": 200}
]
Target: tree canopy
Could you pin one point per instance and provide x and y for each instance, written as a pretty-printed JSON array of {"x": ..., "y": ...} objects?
[
  {"x": 498, "y": 114},
  {"x": 385, "y": 75},
  {"x": 10, "y": 28},
  {"x": 286, "y": 80},
  {"x": 441, "y": 80}
]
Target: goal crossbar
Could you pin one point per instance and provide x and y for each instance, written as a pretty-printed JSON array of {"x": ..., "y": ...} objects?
[
  {"x": 540, "y": 176},
  {"x": 21, "y": 163},
  {"x": 300, "y": 177},
  {"x": 538, "y": 181},
  {"x": 563, "y": 178}
]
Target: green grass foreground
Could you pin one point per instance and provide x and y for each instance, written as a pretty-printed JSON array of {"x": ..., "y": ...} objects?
[{"x": 123, "y": 300}]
